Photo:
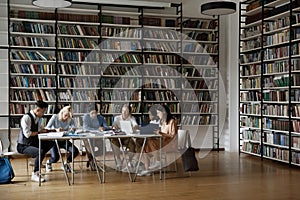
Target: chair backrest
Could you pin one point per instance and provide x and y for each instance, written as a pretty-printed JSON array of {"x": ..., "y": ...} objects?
[
  {"x": 182, "y": 138},
  {"x": 4, "y": 143}
]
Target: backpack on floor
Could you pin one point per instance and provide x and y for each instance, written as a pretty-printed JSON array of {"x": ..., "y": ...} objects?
[{"x": 6, "y": 171}]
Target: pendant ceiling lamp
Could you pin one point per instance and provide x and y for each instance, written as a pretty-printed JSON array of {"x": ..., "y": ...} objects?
[
  {"x": 218, "y": 8},
  {"x": 52, "y": 3}
]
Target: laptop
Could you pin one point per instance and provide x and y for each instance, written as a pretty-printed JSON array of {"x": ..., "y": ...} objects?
[
  {"x": 149, "y": 129},
  {"x": 126, "y": 127}
]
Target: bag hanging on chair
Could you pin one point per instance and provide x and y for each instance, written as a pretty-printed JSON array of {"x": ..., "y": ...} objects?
[
  {"x": 6, "y": 171},
  {"x": 189, "y": 160}
]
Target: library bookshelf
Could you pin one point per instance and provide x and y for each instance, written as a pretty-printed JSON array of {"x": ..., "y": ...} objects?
[
  {"x": 110, "y": 55},
  {"x": 269, "y": 80}
]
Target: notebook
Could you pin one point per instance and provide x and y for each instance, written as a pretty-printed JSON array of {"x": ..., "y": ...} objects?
[
  {"x": 149, "y": 129},
  {"x": 126, "y": 127}
]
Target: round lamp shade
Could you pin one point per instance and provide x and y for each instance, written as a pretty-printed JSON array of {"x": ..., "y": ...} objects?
[
  {"x": 218, "y": 8},
  {"x": 52, "y": 3}
]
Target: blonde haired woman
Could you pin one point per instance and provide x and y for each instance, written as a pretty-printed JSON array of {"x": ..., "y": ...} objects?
[{"x": 62, "y": 122}]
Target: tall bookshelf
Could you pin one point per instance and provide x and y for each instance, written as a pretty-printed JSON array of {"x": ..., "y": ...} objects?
[
  {"x": 269, "y": 75},
  {"x": 110, "y": 55}
]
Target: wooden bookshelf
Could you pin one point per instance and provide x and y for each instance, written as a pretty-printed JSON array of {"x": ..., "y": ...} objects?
[
  {"x": 269, "y": 77},
  {"x": 109, "y": 55}
]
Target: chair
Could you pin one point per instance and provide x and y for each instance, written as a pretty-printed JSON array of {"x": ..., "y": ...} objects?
[
  {"x": 4, "y": 146},
  {"x": 182, "y": 137}
]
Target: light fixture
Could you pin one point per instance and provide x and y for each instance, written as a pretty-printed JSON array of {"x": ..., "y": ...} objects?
[
  {"x": 52, "y": 3},
  {"x": 128, "y": 3},
  {"x": 218, "y": 8}
]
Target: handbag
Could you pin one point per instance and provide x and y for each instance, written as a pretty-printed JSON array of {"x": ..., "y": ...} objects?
[
  {"x": 6, "y": 171},
  {"x": 189, "y": 160}
]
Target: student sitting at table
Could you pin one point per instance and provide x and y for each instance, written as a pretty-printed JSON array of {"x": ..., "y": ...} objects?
[
  {"x": 62, "y": 122},
  {"x": 128, "y": 142},
  {"x": 168, "y": 131},
  {"x": 93, "y": 121},
  {"x": 28, "y": 141}
]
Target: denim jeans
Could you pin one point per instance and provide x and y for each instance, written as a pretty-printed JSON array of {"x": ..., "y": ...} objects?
[{"x": 33, "y": 151}]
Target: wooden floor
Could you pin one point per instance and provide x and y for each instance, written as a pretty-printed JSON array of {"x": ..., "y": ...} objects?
[{"x": 221, "y": 176}]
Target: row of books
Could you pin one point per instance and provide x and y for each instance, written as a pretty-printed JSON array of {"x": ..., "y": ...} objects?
[
  {"x": 167, "y": 95},
  {"x": 79, "y": 82},
  {"x": 117, "y": 108},
  {"x": 200, "y": 48},
  {"x": 79, "y": 69},
  {"x": 90, "y": 95},
  {"x": 203, "y": 108},
  {"x": 83, "y": 43},
  {"x": 31, "y": 27},
  {"x": 163, "y": 34},
  {"x": 250, "y": 58},
  {"x": 201, "y": 59},
  {"x": 276, "y": 153},
  {"x": 121, "y": 70},
  {"x": 276, "y": 24},
  {"x": 122, "y": 83},
  {"x": 253, "y": 109},
  {"x": 276, "y": 110},
  {"x": 32, "y": 69},
  {"x": 276, "y": 95},
  {"x": 167, "y": 83},
  {"x": 276, "y": 138},
  {"x": 277, "y": 67},
  {"x": 124, "y": 45},
  {"x": 254, "y": 135},
  {"x": 253, "y": 148},
  {"x": 251, "y": 31},
  {"x": 40, "y": 82},
  {"x": 296, "y": 142},
  {"x": 198, "y": 120},
  {"x": 250, "y": 121},
  {"x": 250, "y": 96},
  {"x": 250, "y": 83},
  {"x": 251, "y": 70},
  {"x": 277, "y": 38},
  {"x": 251, "y": 44},
  {"x": 278, "y": 52},
  {"x": 160, "y": 59},
  {"x": 276, "y": 124},
  {"x": 201, "y": 84},
  {"x": 30, "y": 41},
  {"x": 83, "y": 30},
  {"x": 31, "y": 55},
  {"x": 199, "y": 72},
  {"x": 201, "y": 24},
  {"x": 296, "y": 157},
  {"x": 32, "y": 95},
  {"x": 122, "y": 95},
  {"x": 200, "y": 36},
  {"x": 123, "y": 32},
  {"x": 25, "y": 108},
  {"x": 198, "y": 95},
  {"x": 161, "y": 46}
]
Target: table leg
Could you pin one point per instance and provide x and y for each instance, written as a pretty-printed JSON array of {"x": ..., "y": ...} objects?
[
  {"x": 39, "y": 162},
  {"x": 62, "y": 160},
  {"x": 126, "y": 162},
  {"x": 95, "y": 160},
  {"x": 140, "y": 158}
]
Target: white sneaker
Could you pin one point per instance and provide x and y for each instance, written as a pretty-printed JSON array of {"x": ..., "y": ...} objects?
[
  {"x": 48, "y": 166},
  {"x": 144, "y": 173},
  {"x": 35, "y": 177},
  {"x": 155, "y": 165}
]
